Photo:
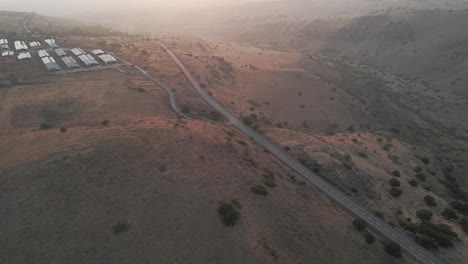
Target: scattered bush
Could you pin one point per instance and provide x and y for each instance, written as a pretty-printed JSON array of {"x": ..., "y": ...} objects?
[
  {"x": 464, "y": 223},
  {"x": 392, "y": 248},
  {"x": 396, "y": 173},
  {"x": 105, "y": 122},
  {"x": 229, "y": 213},
  {"x": 121, "y": 227},
  {"x": 270, "y": 183},
  {"x": 370, "y": 239},
  {"x": 421, "y": 176},
  {"x": 44, "y": 126},
  {"x": 460, "y": 207},
  {"x": 425, "y": 160},
  {"x": 395, "y": 192},
  {"x": 424, "y": 214},
  {"x": 417, "y": 169},
  {"x": 450, "y": 214},
  {"x": 379, "y": 214},
  {"x": 360, "y": 224},
  {"x": 430, "y": 201},
  {"x": 394, "y": 183},
  {"x": 63, "y": 130},
  {"x": 242, "y": 142},
  {"x": 363, "y": 155},
  {"x": 413, "y": 183},
  {"x": 259, "y": 189}
]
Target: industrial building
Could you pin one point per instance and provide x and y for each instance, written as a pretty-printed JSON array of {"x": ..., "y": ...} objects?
[
  {"x": 35, "y": 44},
  {"x": 60, "y": 52},
  {"x": 70, "y": 62},
  {"x": 24, "y": 55},
  {"x": 51, "y": 43},
  {"x": 20, "y": 46},
  {"x": 7, "y": 53},
  {"x": 88, "y": 60},
  {"x": 50, "y": 64},
  {"x": 4, "y": 44},
  {"x": 97, "y": 51},
  {"x": 108, "y": 59},
  {"x": 43, "y": 53},
  {"x": 77, "y": 51}
]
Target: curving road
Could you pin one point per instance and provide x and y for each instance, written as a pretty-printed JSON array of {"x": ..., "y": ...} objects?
[
  {"x": 413, "y": 250},
  {"x": 25, "y": 23}
]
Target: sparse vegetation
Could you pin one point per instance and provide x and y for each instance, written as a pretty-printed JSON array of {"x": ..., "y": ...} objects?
[
  {"x": 363, "y": 155},
  {"x": 120, "y": 227},
  {"x": 394, "y": 183},
  {"x": 413, "y": 182},
  {"x": 44, "y": 126},
  {"x": 229, "y": 212},
  {"x": 105, "y": 122},
  {"x": 259, "y": 189},
  {"x": 63, "y": 130},
  {"x": 392, "y": 248},
  {"x": 370, "y": 239},
  {"x": 396, "y": 173},
  {"x": 360, "y": 224},
  {"x": 450, "y": 214},
  {"x": 424, "y": 214},
  {"x": 430, "y": 201},
  {"x": 242, "y": 142},
  {"x": 395, "y": 192}
]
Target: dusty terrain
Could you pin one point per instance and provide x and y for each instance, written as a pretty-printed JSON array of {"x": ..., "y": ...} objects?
[{"x": 83, "y": 153}]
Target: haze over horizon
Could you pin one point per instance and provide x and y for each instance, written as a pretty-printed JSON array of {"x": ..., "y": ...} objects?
[{"x": 81, "y": 7}]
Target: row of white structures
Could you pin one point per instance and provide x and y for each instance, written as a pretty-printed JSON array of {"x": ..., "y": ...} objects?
[
  {"x": 22, "y": 46},
  {"x": 51, "y": 65}
]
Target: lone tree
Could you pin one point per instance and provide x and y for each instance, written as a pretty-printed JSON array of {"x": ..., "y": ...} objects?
[
  {"x": 393, "y": 249},
  {"x": 424, "y": 214},
  {"x": 360, "y": 224},
  {"x": 430, "y": 201}
]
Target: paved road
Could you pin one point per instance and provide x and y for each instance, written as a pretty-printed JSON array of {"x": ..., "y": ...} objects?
[{"x": 413, "y": 250}]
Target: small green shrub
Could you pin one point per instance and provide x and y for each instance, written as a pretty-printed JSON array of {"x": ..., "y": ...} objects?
[
  {"x": 394, "y": 182},
  {"x": 363, "y": 155},
  {"x": 421, "y": 176},
  {"x": 63, "y": 130},
  {"x": 121, "y": 226},
  {"x": 450, "y": 214},
  {"x": 395, "y": 192},
  {"x": 360, "y": 224},
  {"x": 229, "y": 213},
  {"x": 370, "y": 239},
  {"x": 424, "y": 214},
  {"x": 393, "y": 249},
  {"x": 44, "y": 126},
  {"x": 430, "y": 201},
  {"x": 270, "y": 183},
  {"x": 105, "y": 122},
  {"x": 259, "y": 189},
  {"x": 396, "y": 173},
  {"x": 413, "y": 183},
  {"x": 242, "y": 142}
]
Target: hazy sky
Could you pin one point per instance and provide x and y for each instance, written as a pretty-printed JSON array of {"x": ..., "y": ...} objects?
[{"x": 73, "y": 6}]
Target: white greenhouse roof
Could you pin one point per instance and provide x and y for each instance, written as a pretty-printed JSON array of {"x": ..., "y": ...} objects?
[
  {"x": 60, "y": 52},
  {"x": 88, "y": 60},
  {"x": 43, "y": 53},
  {"x": 70, "y": 62},
  {"x": 24, "y": 55},
  {"x": 107, "y": 58}
]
